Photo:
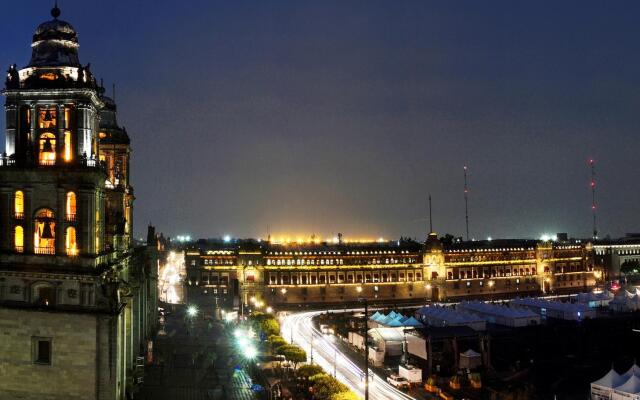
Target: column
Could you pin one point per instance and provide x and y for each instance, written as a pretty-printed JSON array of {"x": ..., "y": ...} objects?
[{"x": 60, "y": 222}]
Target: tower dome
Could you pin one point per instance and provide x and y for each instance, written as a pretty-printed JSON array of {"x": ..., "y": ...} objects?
[{"x": 55, "y": 44}]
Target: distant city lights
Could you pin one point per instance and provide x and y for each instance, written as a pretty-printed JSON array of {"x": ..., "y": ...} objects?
[
  {"x": 226, "y": 238},
  {"x": 183, "y": 238},
  {"x": 547, "y": 237}
]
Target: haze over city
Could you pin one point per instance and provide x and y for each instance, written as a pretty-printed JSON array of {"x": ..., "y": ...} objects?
[{"x": 323, "y": 117}]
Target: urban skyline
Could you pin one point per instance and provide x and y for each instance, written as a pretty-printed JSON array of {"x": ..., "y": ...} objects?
[
  {"x": 325, "y": 152},
  {"x": 347, "y": 126}
]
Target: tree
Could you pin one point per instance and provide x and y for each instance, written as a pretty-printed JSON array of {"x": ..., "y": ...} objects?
[
  {"x": 325, "y": 386},
  {"x": 269, "y": 326},
  {"x": 345, "y": 396},
  {"x": 630, "y": 267},
  {"x": 293, "y": 354},
  {"x": 307, "y": 371},
  {"x": 276, "y": 342}
]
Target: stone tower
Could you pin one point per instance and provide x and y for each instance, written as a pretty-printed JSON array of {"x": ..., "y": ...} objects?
[{"x": 74, "y": 309}]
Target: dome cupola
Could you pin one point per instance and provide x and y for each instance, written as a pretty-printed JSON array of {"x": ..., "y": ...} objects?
[{"x": 55, "y": 44}]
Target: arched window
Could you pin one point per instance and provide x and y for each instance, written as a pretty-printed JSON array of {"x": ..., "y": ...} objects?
[
  {"x": 18, "y": 239},
  {"x": 71, "y": 206},
  {"x": 45, "y": 232},
  {"x": 43, "y": 293},
  {"x": 71, "y": 244},
  {"x": 18, "y": 204},
  {"x": 47, "y": 147}
]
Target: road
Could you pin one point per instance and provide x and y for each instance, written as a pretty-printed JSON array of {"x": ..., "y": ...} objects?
[{"x": 325, "y": 354}]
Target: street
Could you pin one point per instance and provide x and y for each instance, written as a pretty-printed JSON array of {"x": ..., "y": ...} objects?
[
  {"x": 328, "y": 356},
  {"x": 195, "y": 360}
]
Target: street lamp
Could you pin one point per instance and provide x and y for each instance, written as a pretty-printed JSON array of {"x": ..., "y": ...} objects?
[
  {"x": 366, "y": 345},
  {"x": 192, "y": 311},
  {"x": 283, "y": 291}
]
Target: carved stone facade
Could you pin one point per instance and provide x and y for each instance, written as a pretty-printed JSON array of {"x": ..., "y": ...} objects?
[
  {"x": 247, "y": 271},
  {"x": 77, "y": 300}
]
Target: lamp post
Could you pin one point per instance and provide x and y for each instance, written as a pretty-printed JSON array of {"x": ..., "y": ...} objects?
[{"x": 366, "y": 346}]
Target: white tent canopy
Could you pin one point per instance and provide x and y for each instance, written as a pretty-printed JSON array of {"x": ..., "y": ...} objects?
[{"x": 614, "y": 386}]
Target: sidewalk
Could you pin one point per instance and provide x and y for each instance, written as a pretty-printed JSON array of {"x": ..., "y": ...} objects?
[{"x": 195, "y": 362}]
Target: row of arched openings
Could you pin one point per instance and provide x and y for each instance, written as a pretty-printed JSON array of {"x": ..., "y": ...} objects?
[{"x": 44, "y": 233}]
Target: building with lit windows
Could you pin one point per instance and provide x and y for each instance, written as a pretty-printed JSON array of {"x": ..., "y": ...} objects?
[
  {"x": 77, "y": 301},
  {"x": 613, "y": 254},
  {"x": 235, "y": 273}
]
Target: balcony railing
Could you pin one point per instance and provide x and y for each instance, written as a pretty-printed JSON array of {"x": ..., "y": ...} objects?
[
  {"x": 19, "y": 249},
  {"x": 18, "y": 215},
  {"x": 70, "y": 217},
  {"x": 44, "y": 250}
]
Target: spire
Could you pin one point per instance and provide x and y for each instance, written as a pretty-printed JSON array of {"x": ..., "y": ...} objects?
[{"x": 55, "y": 11}]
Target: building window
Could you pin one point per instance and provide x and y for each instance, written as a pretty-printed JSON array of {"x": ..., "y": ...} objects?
[
  {"x": 18, "y": 239},
  {"x": 44, "y": 235},
  {"x": 43, "y": 294},
  {"x": 18, "y": 204},
  {"x": 47, "y": 149},
  {"x": 70, "y": 242},
  {"x": 71, "y": 206},
  {"x": 67, "y": 146},
  {"x": 41, "y": 350}
]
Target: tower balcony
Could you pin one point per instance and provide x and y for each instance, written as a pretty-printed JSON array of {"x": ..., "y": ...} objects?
[{"x": 83, "y": 162}]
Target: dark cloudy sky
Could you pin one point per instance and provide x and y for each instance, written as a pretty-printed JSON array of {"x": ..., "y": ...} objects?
[{"x": 341, "y": 116}]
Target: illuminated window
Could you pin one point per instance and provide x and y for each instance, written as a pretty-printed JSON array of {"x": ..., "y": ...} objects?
[
  {"x": 70, "y": 242},
  {"x": 71, "y": 206},
  {"x": 67, "y": 146},
  {"x": 44, "y": 232},
  {"x": 18, "y": 239},
  {"x": 47, "y": 118},
  {"x": 97, "y": 231},
  {"x": 47, "y": 149},
  {"x": 18, "y": 204}
]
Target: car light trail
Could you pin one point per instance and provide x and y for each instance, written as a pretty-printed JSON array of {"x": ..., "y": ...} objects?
[{"x": 299, "y": 325}]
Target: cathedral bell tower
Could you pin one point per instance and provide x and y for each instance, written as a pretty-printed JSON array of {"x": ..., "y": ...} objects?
[{"x": 52, "y": 181}]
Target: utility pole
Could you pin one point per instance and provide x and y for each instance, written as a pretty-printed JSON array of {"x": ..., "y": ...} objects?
[
  {"x": 335, "y": 356},
  {"x": 366, "y": 344},
  {"x": 430, "y": 219},
  {"x": 312, "y": 345},
  {"x": 592, "y": 164},
  {"x": 466, "y": 201}
]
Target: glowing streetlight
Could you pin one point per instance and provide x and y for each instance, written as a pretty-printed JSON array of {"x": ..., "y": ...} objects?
[
  {"x": 269, "y": 310},
  {"x": 250, "y": 352},
  {"x": 491, "y": 283},
  {"x": 192, "y": 311},
  {"x": 427, "y": 286},
  {"x": 283, "y": 291},
  {"x": 359, "y": 289}
]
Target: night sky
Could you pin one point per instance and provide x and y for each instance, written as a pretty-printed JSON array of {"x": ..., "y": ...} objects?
[{"x": 302, "y": 117}]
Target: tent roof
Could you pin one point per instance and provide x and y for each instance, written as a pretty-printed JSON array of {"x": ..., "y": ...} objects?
[
  {"x": 470, "y": 353},
  {"x": 388, "y": 334},
  {"x": 411, "y": 322},
  {"x": 634, "y": 370},
  {"x": 632, "y": 385},
  {"x": 610, "y": 380},
  {"x": 376, "y": 316}
]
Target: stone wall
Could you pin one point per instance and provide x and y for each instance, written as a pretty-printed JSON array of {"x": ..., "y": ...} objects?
[{"x": 72, "y": 373}]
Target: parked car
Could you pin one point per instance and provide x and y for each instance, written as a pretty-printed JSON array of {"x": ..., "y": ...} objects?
[{"x": 398, "y": 382}]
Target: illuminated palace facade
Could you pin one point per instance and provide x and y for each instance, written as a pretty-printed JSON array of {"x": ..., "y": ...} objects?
[
  {"x": 246, "y": 272},
  {"x": 77, "y": 300}
]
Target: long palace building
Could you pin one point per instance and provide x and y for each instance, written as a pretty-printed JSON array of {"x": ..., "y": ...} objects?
[{"x": 261, "y": 272}]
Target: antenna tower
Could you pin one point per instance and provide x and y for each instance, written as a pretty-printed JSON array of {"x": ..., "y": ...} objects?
[
  {"x": 592, "y": 164},
  {"x": 466, "y": 202}
]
